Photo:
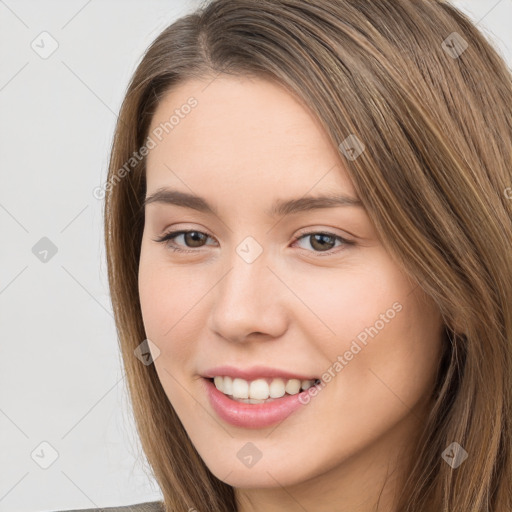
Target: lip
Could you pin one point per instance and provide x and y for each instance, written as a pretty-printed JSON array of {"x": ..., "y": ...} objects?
[
  {"x": 254, "y": 416},
  {"x": 253, "y": 373}
]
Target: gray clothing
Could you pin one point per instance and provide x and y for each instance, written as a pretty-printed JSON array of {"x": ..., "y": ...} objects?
[{"x": 148, "y": 506}]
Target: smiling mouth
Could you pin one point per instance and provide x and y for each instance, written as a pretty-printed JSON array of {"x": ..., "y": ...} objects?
[{"x": 262, "y": 390}]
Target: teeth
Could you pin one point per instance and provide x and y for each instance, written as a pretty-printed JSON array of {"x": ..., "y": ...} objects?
[
  {"x": 228, "y": 385},
  {"x": 277, "y": 388},
  {"x": 259, "y": 390},
  {"x": 241, "y": 388}
]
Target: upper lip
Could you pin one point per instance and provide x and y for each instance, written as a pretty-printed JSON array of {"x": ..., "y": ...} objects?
[{"x": 254, "y": 372}]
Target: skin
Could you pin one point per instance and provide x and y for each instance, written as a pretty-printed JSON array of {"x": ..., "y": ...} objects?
[{"x": 247, "y": 143}]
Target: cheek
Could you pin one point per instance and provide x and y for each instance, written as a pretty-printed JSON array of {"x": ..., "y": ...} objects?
[
  {"x": 394, "y": 373},
  {"x": 155, "y": 300},
  {"x": 165, "y": 300},
  {"x": 382, "y": 339},
  {"x": 164, "y": 291},
  {"x": 170, "y": 304},
  {"x": 347, "y": 301}
]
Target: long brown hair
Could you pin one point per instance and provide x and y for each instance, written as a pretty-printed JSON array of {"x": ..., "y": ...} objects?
[{"x": 430, "y": 99}]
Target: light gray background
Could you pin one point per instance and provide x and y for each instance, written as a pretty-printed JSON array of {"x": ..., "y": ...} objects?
[{"x": 61, "y": 380}]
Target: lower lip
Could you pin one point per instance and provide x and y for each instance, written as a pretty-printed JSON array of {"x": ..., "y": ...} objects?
[{"x": 262, "y": 415}]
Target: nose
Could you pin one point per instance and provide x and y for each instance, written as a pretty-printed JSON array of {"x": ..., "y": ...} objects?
[{"x": 249, "y": 302}]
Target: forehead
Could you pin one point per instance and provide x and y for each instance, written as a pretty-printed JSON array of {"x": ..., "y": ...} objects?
[{"x": 242, "y": 136}]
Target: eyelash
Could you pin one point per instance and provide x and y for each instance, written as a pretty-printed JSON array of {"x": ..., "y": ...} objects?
[{"x": 168, "y": 237}]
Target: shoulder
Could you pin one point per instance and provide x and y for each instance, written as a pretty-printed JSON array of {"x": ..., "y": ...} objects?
[{"x": 149, "y": 506}]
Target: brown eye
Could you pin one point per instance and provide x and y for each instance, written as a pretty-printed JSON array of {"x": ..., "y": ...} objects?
[
  {"x": 194, "y": 238},
  {"x": 324, "y": 242}
]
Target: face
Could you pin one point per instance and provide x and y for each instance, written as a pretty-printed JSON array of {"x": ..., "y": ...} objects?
[{"x": 306, "y": 292}]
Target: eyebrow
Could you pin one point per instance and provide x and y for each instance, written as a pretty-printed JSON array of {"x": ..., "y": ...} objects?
[{"x": 280, "y": 207}]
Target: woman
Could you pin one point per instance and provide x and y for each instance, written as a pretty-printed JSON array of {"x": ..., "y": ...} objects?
[{"x": 308, "y": 225}]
